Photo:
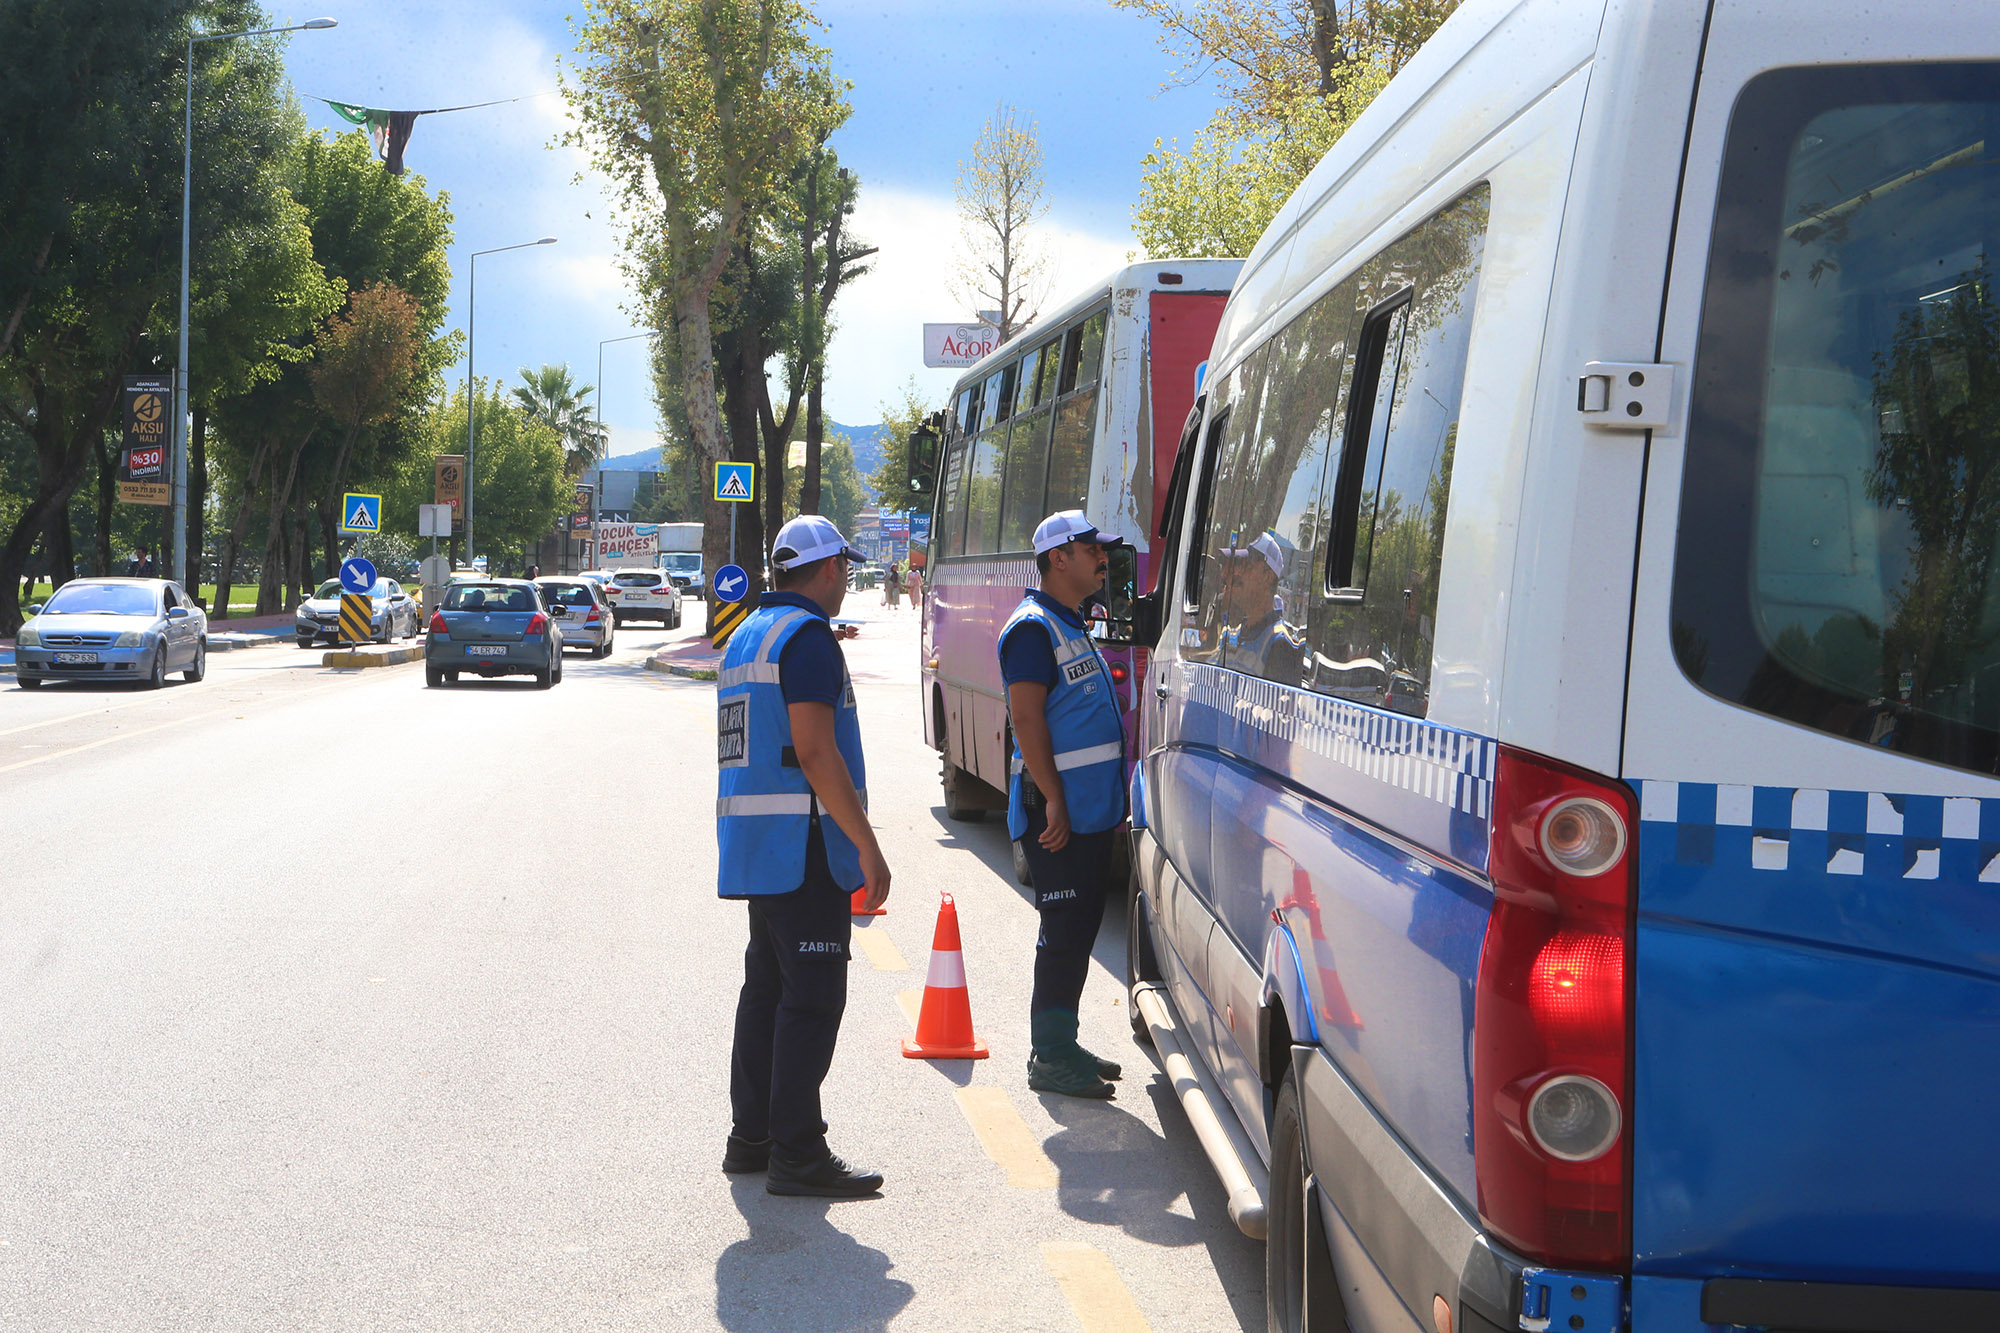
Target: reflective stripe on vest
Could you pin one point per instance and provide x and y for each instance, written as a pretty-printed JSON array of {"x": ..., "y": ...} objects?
[
  {"x": 764, "y": 806},
  {"x": 1084, "y": 725}
]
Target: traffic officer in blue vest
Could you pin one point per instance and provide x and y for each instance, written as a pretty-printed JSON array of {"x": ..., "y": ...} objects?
[
  {"x": 794, "y": 841},
  {"x": 1066, "y": 797},
  {"x": 1259, "y": 638}
]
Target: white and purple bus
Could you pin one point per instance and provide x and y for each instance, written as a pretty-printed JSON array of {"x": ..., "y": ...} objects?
[{"x": 1084, "y": 410}]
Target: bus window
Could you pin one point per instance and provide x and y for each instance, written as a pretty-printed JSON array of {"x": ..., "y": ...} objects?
[
  {"x": 982, "y": 492},
  {"x": 1398, "y": 455},
  {"x": 1090, "y": 350},
  {"x": 1048, "y": 369},
  {"x": 1027, "y": 470},
  {"x": 1024, "y": 381},
  {"x": 1069, "y": 452},
  {"x": 999, "y": 396},
  {"x": 968, "y": 411},
  {"x": 950, "y": 535}
]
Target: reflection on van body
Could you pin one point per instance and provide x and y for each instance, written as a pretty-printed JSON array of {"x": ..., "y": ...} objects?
[{"x": 1567, "y": 821}]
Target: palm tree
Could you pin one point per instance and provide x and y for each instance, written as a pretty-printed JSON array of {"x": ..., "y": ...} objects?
[{"x": 550, "y": 395}]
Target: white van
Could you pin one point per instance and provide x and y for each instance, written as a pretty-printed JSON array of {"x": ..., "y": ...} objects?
[{"x": 1567, "y": 839}]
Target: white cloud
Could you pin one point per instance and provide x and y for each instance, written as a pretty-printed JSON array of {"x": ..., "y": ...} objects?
[{"x": 878, "y": 344}]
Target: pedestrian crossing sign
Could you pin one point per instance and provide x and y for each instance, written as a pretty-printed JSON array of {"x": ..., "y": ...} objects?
[
  {"x": 360, "y": 513},
  {"x": 736, "y": 481}
]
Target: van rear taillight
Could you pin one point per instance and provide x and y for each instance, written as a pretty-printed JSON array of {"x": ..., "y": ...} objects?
[{"x": 1551, "y": 1061}]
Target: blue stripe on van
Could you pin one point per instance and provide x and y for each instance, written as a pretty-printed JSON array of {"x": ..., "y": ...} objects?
[
  {"x": 1880, "y": 835},
  {"x": 1428, "y": 783}
]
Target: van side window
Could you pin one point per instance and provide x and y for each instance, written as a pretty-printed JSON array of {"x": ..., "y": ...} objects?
[
  {"x": 1276, "y": 566},
  {"x": 1838, "y": 557},
  {"x": 1387, "y": 494},
  {"x": 1209, "y": 559}
]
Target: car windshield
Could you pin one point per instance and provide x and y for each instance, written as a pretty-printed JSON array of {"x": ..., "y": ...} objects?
[
  {"x": 683, "y": 562},
  {"x": 566, "y": 592},
  {"x": 381, "y": 589},
  {"x": 328, "y": 591},
  {"x": 487, "y": 597},
  {"x": 103, "y": 599}
]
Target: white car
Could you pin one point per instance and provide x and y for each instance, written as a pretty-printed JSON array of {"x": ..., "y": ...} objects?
[{"x": 644, "y": 594}]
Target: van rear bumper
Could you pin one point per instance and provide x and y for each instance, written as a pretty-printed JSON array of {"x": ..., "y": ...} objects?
[{"x": 1420, "y": 1241}]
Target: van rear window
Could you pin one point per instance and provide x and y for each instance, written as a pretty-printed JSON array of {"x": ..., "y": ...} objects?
[{"x": 1840, "y": 517}]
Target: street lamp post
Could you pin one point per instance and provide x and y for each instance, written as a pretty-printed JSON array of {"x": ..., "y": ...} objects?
[
  {"x": 471, "y": 304},
  {"x": 178, "y": 568},
  {"x": 597, "y": 501}
]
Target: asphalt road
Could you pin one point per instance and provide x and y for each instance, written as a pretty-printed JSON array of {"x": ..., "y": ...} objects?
[{"x": 335, "y": 1002}]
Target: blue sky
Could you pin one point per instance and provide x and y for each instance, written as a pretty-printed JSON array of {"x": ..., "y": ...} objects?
[{"x": 925, "y": 77}]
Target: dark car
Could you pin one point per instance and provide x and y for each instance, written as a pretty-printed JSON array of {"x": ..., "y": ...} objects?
[{"x": 493, "y": 627}]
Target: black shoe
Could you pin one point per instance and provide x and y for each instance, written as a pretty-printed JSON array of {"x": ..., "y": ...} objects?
[
  {"x": 827, "y": 1178},
  {"x": 741, "y": 1154},
  {"x": 1070, "y": 1080},
  {"x": 1097, "y": 1064}
]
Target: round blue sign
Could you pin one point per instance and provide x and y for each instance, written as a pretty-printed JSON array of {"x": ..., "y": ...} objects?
[
  {"x": 356, "y": 575},
  {"x": 731, "y": 583}
]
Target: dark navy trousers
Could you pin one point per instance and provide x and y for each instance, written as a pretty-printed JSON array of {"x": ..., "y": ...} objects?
[
  {"x": 1069, "y": 894},
  {"x": 788, "y": 1012}
]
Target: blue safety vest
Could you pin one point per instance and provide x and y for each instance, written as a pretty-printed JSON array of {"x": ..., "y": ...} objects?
[
  {"x": 765, "y": 807},
  {"x": 1085, "y": 730}
]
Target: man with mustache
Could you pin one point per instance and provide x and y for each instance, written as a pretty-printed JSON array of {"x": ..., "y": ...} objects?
[{"x": 1066, "y": 797}]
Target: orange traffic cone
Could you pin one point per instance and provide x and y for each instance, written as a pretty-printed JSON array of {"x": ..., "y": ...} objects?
[
  {"x": 944, "y": 1023},
  {"x": 855, "y": 907}
]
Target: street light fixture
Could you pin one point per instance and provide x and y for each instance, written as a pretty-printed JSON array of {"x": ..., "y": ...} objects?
[
  {"x": 471, "y": 304},
  {"x": 602, "y": 441},
  {"x": 178, "y": 568}
]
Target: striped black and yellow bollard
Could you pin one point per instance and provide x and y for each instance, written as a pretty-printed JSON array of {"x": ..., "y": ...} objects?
[
  {"x": 724, "y": 619},
  {"x": 357, "y": 612}
]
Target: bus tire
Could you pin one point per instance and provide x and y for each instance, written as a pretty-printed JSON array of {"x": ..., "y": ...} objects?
[{"x": 956, "y": 780}]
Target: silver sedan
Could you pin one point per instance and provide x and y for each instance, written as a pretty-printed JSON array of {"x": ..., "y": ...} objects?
[{"x": 113, "y": 629}]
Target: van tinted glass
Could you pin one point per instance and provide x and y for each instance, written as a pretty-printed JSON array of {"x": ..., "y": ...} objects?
[
  {"x": 1208, "y": 584},
  {"x": 1840, "y": 522},
  {"x": 1391, "y": 482}
]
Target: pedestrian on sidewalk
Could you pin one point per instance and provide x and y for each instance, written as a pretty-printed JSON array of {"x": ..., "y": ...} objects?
[
  {"x": 795, "y": 843},
  {"x": 1067, "y": 795},
  {"x": 892, "y": 587}
]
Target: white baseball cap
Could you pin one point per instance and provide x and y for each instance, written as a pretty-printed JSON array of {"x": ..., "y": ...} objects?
[
  {"x": 1070, "y": 526},
  {"x": 1269, "y": 546},
  {"x": 807, "y": 538}
]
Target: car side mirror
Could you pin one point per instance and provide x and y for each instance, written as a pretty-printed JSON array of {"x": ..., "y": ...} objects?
[
  {"x": 34, "y": 608},
  {"x": 558, "y": 609},
  {"x": 177, "y": 613}
]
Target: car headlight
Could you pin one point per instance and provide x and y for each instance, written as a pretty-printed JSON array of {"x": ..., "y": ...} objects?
[
  {"x": 131, "y": 638},
  {"x": 28, "y": 637}
]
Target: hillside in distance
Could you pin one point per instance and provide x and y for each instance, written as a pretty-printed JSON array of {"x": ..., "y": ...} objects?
[{"x": 867, "y": 441}]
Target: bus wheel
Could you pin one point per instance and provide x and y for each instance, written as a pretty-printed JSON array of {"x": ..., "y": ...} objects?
[
  {"x": 956, "y": 804},
  {"x": 1300, "y": 1289}
]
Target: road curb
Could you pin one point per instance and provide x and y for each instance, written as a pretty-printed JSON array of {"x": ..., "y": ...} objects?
[
  {"x": 373, "y": 655},
  {"x": 680, "y": 669},
  {"x": 226, "y": 642}
]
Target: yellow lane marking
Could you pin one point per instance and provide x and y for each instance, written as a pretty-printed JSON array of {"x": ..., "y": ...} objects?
[
  {"x": 1007, "y": 1138},
  {"x": 147, "y": 731},
  {"x": 1093, "y": 1288},
  {"x": 882, "y": 953},
  {"x": 912, "y": 1002}
]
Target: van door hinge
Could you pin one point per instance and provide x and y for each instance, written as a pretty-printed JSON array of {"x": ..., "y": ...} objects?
[
  {"x": 1557, "y": 1302},
  {"x": 1626, "y": 395}
]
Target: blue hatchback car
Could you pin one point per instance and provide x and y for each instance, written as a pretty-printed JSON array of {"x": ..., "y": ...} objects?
[{"x": 499, "y": 627}]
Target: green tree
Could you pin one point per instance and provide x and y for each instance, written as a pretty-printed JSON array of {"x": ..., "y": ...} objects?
[
  {"x": 698, "y": 111},
  {"x": 552, "y": 395},
  {"x": 890, "y": 483},
  {"x": 842, "y": 494},
  {"x": 1292, "y": 76},
  {"x": 519, "y": 482},
  {"x": 1001, "y": 196},
  {"x": 91, "y": 106}
]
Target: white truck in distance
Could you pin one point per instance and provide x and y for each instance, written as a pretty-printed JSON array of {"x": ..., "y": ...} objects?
[{"x": 680, "y": 556}]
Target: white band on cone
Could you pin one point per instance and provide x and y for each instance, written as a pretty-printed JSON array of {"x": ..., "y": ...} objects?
[{"x": 947, "y": 970}]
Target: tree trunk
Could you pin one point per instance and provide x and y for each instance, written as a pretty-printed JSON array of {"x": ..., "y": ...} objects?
[
  {"x": 225, "y": 570},
  {"x": 60, "y": 460},
  {"x": 197, "y": 502},
  {"x": 271, "y": 579},
  {"x": 107, "y": 483},
  {"x": 815, "y": 436}
]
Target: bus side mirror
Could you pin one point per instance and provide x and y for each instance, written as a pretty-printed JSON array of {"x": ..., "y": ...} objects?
[{"x": 923, "y": 460}]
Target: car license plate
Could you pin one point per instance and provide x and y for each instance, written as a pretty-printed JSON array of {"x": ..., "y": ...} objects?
[
  {"x": 486, "y": 650},
  {"x": 74, "y": 659}
]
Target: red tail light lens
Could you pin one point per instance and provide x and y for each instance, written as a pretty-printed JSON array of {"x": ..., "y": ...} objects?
[
  {"x": 1551, "y": 1067},
  {"x": 538, "y": 624},
  {"x": 594, "y": 616},
  {"x": 1118, "y": 672},
  {"x": 437, "y": 625}
]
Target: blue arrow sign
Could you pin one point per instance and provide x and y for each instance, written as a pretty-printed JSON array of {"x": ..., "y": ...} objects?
[
  {"x": 731, "y": 583},
  {"x": 356, "y": 574}
]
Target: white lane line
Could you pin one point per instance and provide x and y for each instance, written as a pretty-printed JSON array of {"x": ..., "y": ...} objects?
[{"x": 1091, "y": 1284}]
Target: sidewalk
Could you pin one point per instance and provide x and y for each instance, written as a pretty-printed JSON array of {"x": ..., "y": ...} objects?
[{"x": 885, "y": 647}]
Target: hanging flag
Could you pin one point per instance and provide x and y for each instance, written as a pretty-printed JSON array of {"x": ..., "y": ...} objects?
[{"x": 391, "y": 129}]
